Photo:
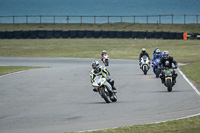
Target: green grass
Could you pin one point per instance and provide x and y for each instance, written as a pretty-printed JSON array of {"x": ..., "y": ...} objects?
[
  {"x": 190, "y": 28},
  {"x": 10, "y": 69},
  {"x": 192, "y": 71},
  {"x": 189, "y": 125},
  {"x": 182, "y": 50}
]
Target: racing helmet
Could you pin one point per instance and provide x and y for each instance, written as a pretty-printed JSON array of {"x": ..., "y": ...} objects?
[
  {"x": 95, "y": 65},
  {"x": 104, "y": 51},
  {"x": 157, "y": 51},
  {"x": 143, "y": 50},
  {"x": 165, "y": 54}
]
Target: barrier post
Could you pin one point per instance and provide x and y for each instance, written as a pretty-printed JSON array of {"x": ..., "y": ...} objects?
[
  {"x": 147, "y": 19},
  {"x": 40, "y": 19},
  {"x": 184, "y": 19},
  {"x": 134, "y": 19},
  {"x": 121, "y": 19},
  {"x": 108, "y": 19},
  {"x": 81, "y": 19},
  {"x": 94, "y": 19},
  {"x": 172, "y": 18},
  {"x": 54, "y": 19},
  {"x": 160, "y": 19},
  {"x": 67, "y": 19},
  {"x": 13, "y": 19},
  {"x": 26, "y": 19}
]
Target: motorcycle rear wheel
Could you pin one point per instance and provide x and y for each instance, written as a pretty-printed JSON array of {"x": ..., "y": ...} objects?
[
  {"x": 157, "y": 73},
  {"x": 145, "y": 70},
  {"x": 115, "y": 98}
]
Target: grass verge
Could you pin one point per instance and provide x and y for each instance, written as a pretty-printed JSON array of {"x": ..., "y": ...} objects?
[
  {"x": 10, "y": 69},
  {"x": 183, "y": 51},
  {"x": 190, "y": 28},
  {"x": 189, "y": 125}
]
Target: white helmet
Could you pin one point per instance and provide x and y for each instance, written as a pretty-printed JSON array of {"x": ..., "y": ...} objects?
[
  {"x": 104, "y": 51},
  {"x": 95, "y": 65},
  {"x": 157, "y": 51}
]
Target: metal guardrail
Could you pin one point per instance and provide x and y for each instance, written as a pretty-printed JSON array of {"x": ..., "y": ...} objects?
[{"x": 161, "y": 19}]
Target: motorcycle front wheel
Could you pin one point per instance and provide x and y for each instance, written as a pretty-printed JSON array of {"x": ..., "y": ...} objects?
[
  {"x": 105, "y": 95},
  {"x": 169, "y": 85},
  {"x": 145, "y": 70},
  {"x": 157, "y": 73}
]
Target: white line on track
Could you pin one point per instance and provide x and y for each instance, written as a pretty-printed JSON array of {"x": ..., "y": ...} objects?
[{"x": 193, "y": 87}]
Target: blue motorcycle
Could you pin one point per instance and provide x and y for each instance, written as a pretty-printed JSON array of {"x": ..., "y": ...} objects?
[{"x": 156, "y": 68}]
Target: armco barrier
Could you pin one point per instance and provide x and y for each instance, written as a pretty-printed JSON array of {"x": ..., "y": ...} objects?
[
  {"x": 119, "y": 34},
  {"x": 57, "y": 33},
  {"x": 49, "y": 34},
  {"x": 33, "y": 34},
  {"x": 97, "y": 34},
  {"x": 9, "y": 34},
  {"x": 165, "y": 35},
  {"x": 65, "y": 34},
  {"x": 80, "y": 34},
  {"x": 127, "y": 34},
  {"x": 2, "y": 35},
  {"x": 111, "y": 34},
  {"x": 172, "y": 35},
  {"x": 73, "y": 33},
  {"x": 41, "y": 34},
  {"x": 89, "y": 34},
  {"x": 135, "y": 34},
  {"x": 179, "y": 35},
  {"x": 157, "y": 35},
  {"x": 25, "y": 34},
  {"x": 104, "y": 34},
  {"x": 142, "y": 34},
  {"x": 17, "y": 34},
  {"x": 150, "y": 34}
]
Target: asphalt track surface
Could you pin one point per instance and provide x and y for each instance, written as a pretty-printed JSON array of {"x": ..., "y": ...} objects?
[{"x": 60, "y": 98}]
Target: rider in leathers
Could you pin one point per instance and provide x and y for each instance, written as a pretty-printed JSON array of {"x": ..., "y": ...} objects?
[
  {"x": 103, "y": 52},
  {"x": 167, "y": 61},
  {"x": 99, "y": 70},
  {"x": 144, "y": 53}
]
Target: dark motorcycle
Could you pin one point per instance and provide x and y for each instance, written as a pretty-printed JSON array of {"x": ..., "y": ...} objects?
[
  {"x": 156, "y": 68},
  {"x": 169, "y": 82}
]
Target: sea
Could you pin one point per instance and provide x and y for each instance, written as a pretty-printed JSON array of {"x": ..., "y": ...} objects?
[{"x": 63, "y": 10}]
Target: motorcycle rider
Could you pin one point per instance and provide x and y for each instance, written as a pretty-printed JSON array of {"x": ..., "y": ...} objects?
[
  {"x": 143, "y": 54},
  {"x": 103, "y": 52},
  {"x": 157, "y": 55},
  {"x": 166, "y": 61},
  {"x": 100, "y": 70},
  {"x": 155, "y": 50}
]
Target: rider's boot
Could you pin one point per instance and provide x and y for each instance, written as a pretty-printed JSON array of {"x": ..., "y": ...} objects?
[
  {"x": 94, "y": 89},
  {"x": 114, "y": 89}
]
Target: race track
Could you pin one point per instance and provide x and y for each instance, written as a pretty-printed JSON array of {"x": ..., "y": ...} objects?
[{"x": 60, "y": 98}]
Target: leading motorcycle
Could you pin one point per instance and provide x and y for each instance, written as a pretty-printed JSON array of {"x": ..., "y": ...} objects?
[
  {"x": 100, "y": 84},
  {"x": 169, "y": 82},
  {"x": 145, "y": 64}
]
